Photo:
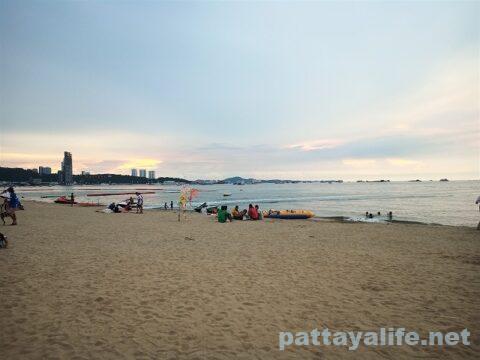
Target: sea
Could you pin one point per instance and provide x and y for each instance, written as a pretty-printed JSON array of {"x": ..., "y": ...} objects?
[{"x": 447, "y": 203}]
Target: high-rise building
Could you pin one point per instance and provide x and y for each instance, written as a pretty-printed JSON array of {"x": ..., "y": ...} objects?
[
  {"x": 67, "y": 169},
  {"x": 44, "y": 170},
  {"x": 143, "y": 173},
  {"x": 134, "y": 172},
  {"x": 151, "y": 174}
]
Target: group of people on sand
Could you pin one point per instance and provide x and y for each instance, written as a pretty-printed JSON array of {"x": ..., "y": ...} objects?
[
  {"x": 253, "y": 213},
  {"x": 128, "y": 205},
  {"x": 10, "y": 205}
]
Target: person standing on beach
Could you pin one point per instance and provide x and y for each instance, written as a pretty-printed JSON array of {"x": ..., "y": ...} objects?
[
  {"x": 171, "y": 205},
  {"x": 72, "y": 198},
  {"x": 139, "y": 203},
  {"x": 12, "y": 204},
  {"x": 478, "y": 203}
]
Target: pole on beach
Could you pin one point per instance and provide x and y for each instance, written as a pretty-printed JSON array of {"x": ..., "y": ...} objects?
[{"x": 182, "y": 208}]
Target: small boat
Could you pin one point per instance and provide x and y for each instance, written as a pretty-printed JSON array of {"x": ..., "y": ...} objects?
[
  {"x": 227, "y": 194},
  {"x": 64, "y": 200},
  {"x": 200, "y": 207},
  {"x": 288, "y": 214}
]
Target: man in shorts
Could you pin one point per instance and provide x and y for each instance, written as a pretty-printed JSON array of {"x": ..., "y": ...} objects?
[{"x": 139, "y": 203}]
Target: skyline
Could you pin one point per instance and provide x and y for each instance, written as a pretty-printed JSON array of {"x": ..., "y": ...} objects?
[{"x": 305, "y": 91}]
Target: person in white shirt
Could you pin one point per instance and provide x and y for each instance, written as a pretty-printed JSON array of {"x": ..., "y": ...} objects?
[{"x": 139, "y": 203}]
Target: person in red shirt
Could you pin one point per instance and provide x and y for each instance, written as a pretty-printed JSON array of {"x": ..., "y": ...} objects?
[{"x": 252, "y": 212}]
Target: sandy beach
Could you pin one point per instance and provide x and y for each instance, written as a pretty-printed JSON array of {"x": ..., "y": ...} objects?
[{"x": 77, "y": 284}]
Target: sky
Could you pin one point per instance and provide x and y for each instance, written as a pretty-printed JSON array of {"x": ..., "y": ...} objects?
[{"x": 288, "y": 90}]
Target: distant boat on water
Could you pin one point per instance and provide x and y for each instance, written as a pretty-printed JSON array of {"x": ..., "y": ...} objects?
[{"x": 443, "y": 179}]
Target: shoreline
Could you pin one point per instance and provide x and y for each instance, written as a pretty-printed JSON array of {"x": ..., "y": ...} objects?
[{"x": 339, "y": 219}]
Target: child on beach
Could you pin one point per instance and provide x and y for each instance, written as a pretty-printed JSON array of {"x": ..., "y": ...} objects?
[{"x": 260, "y": 214}]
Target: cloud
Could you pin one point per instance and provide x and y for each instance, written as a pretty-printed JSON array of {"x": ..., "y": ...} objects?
[
  {"x": 403, "y": 162},
  {"x": 317, "y": 144},
  {"x": 433, "y": 124}
]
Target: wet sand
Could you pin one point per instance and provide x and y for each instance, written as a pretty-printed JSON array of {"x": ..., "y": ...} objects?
[{"x": 77, "y": 284}]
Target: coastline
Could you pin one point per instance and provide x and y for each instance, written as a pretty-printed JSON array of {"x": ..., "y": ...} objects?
[
  {"x": 420, "y": 202},
  {"x": 77, "y": 283},
  {"x": 340, "y": 219}
]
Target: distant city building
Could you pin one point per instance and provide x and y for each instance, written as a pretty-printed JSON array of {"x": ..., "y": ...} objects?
[
  {"x": 35, "y": 170},
  {"x": 67, "y": 169},
  {"x": 85, "y": 172},
  {"x": 151, "y": 174},
  {"x": 143, "y": 173},
  {"x": 44, "y": 170},
  {"x": 134, "y": 172}
]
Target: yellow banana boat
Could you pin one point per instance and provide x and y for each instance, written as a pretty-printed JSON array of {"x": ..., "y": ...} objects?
[{"x": 288, "y": 214}]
